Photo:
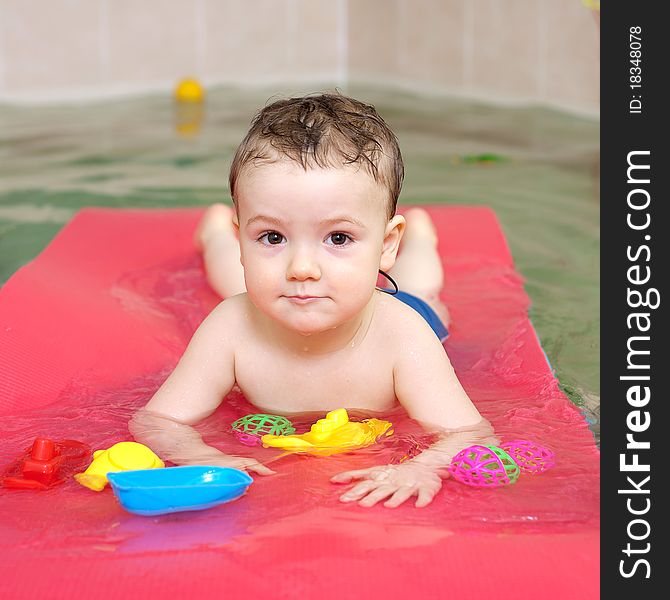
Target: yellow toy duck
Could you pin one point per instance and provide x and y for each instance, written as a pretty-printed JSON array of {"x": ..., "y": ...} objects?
[
  {"x": 189, "y": 90},
  {"x": 332, "y": 435},
  {"x": 124, "y": 456}
]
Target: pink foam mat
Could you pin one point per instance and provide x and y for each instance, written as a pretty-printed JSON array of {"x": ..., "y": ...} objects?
[{"x": 90, "y": 329}]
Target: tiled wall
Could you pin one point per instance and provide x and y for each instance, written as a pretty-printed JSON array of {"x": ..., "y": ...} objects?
[{"x": 544, "y": 51}]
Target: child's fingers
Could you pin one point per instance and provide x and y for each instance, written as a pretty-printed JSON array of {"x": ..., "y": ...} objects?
[
  {"x": 349, "y": 475},
  {"x": 383, "y": 491},
  {"x": 425, "y": 496},
  {"x": 358, "y": 491},
  {"x": 443, "y": 473},
  {"x": 400, "y": 496},
  {"x": 261, "y": 469}
]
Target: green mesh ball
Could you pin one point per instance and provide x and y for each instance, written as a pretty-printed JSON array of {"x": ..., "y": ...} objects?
[
  {"x": 251, "y": 428},
  {"x": 511, "y": 468},
  {"x": 484, "y": 466}
]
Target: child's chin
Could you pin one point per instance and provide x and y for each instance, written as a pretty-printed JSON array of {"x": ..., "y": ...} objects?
[
  {"x": 311, "y": 330},
  {"x": 312, "y": 327}
]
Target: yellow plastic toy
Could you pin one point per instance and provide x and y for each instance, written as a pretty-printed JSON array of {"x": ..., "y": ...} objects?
[
  {"x": 332, "y": 435},
  {"x": 189, "y": 90},
  {"x": 124, "y": 456}
]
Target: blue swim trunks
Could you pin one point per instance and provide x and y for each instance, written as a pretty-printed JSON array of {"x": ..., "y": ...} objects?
[{"x": 424, "y": 309}]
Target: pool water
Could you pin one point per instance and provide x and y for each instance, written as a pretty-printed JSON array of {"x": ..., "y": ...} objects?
[{"x": 537, "y": 168}]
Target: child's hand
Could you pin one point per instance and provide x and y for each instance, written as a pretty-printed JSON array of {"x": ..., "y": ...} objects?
[
  {"x": 219, "y": 459},
  {"x": 247, "y": 464},
  {"x": 400, "y": 482}
]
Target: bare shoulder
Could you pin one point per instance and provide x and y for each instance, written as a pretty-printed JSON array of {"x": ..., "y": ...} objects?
[
  {"x": 403, "y": 327},
  {"x": 222, "y": 327},
  {"x": 205, "y": 372},
  {"x": 230, "y": 314},
  {"x": 424, "y": 379}
]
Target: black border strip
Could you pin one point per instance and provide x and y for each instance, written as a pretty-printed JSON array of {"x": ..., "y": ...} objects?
[{"x": 634, "y": 262}]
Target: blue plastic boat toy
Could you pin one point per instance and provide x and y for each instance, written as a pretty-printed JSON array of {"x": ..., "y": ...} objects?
[{"x": 175, "y": 489}]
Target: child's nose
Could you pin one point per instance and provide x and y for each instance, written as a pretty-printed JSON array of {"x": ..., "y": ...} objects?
[{"x": 303, "y": 265}]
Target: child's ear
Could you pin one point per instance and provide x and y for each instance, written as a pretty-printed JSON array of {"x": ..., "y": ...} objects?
[
  {"x": 236, "y": 225},
  {"x": 236, "y": 230},
  {"x": 395, "y": 229}
]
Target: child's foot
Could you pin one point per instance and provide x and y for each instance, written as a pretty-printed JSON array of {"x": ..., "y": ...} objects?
[
  {"x": 420, "y": 241},
  {"x": 441, "y": 311},
  {"x": 216, "y": 238},
  {"x": 419, "y": 226},
  {"x": 217, "y": 218}
]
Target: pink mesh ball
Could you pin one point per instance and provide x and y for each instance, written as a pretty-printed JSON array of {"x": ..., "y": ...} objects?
[
  {"x": 484, "y": 466},
  {"x": 248, "y": 439},
  {"x": 531, "y": 458}
]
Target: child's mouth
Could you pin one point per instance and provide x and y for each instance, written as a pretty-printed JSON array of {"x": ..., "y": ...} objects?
[{"x": 303, "y": 299}]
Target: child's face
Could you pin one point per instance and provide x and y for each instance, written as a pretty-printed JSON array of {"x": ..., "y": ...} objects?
[{"x": 312, "y": 242}]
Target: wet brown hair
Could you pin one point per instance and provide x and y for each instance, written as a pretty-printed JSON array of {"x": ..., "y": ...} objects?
[{"x": 323, "y": 130}]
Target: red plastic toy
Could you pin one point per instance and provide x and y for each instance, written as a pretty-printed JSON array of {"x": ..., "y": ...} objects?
[{"x": 47, "y": 463}]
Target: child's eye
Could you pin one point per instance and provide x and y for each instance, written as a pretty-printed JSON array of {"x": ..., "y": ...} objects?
[
  {"x": 339, "y": 238},
  {"x": 273, "y": 238}
]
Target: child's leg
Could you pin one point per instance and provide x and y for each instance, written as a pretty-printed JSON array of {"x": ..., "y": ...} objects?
[
  {"x": 418, "y": 268},
  {"x": 221, "y": 251}
]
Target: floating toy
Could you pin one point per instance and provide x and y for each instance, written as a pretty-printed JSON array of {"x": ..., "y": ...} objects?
[
  {"x": 46, "y": 463},
  {"x": 189, "y": 90},
  {"x": 332, "y": 435},
  {"x": 124, "y": 456},
  {"x": 486, "y": 158},
  {"x": 176, "y": 489},
  {"x": 250, "y": 429},
  {"x": 484, "y": 466},
  {"x": 531, "y": 458}
]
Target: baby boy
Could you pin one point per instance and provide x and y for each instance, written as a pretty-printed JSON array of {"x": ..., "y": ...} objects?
[{"x": 303, "y": 326}]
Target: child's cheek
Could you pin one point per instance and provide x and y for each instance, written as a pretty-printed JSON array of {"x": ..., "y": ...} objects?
[
  {"x": 363, "y": 271},
  {"x": 257, "y": 274},
  {"x": 260, "y": 279}
]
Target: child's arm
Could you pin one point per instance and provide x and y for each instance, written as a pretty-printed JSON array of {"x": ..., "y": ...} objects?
[
  {"x": 204, "y": 375},
  {"x": 432, "y": 395},
  {"x": 426, "y": 385}
]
